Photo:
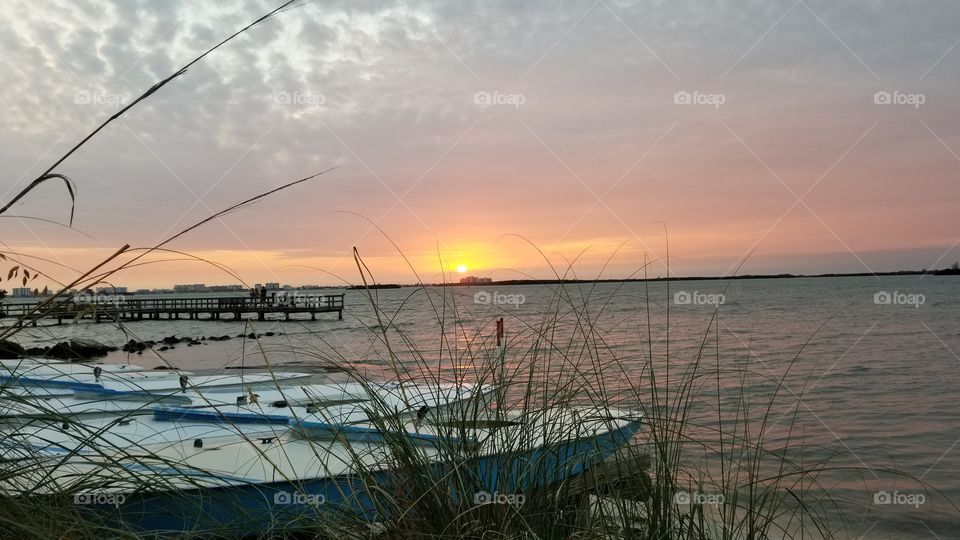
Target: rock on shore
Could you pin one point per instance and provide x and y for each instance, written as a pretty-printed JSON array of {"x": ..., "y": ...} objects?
[
  {"x": 78, "y": 349},
  {"x": 10, "y": 349}
]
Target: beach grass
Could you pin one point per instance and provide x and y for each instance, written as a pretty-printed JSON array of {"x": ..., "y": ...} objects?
[{"x": 706, "y": 463}]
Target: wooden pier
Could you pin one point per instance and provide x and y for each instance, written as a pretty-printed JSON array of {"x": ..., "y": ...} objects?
[{"x": 210, "y": 308}]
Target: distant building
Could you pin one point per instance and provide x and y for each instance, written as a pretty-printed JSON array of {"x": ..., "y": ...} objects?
[
  {"x": 272, "y": 285},
  {"x": 22, "y": 291},
  {"x": 225, "y": 288},
  {"x": 474, "y": 280},
  {"x": 195, "y": 287},
  {"x": 112, "y": 290}
]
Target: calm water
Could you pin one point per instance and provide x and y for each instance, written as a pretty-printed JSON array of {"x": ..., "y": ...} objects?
[{"x": 865, "y": 384}]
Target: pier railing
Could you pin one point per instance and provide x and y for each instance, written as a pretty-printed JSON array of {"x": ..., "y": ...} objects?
[{"x": 120, "y": 307}]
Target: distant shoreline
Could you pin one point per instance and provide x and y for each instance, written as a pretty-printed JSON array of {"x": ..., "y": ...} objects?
[
  {"x": 507, "y": 282},
  {"x": 944, "y": 272}
]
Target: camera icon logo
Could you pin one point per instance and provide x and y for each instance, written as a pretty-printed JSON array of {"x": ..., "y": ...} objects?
[
  {"x": 282, "y": 497},
  {"x": 882, "y": 98},
  {"x": 681, "y": 298},
  {"x": 682, "y": 98},
  {"x": 282, "y": 98},
  {"x": 482, "y": 98},
  {"x": 882, "y": 497},
  {"x": 82, "y": 97},
  {"x": 882, "y": 298},
  {"x": 482, "y": 497},
  {"x": 482, "y": 297},
  {"x": 681, "y": 497}
]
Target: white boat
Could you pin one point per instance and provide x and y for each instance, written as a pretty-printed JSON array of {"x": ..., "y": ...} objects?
[
  {"x": 112, "y": 426},
  {"x": 125, "y": 434},
  {"x": 10, "y": 391},
  {"x": 341, "y": 404},
  {"x": 205, "y": 382},
  {"x": 148, "y": 382},
  {"x": 316, "y": 402},
  {"x": 64, "y": 375},
  {"x": 30, "y": 364},
  {"x": 245, "y": 483},
  {"x": 86, "y": 403},
  {"x": 59, "y": 397}
]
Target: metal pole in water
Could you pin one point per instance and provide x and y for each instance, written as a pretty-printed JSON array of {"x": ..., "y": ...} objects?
[{"x": 501, "y": 352}]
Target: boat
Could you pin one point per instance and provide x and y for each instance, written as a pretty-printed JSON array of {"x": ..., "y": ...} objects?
[
  {"x": 338, "y": 404},
  {"x": 205, "y": 382},
  {"x": 123, "y": 435},
  {"x": 254, "y": 455},
  {"x": 43, "y": 364},
  {"x": 33, "y": 374},
  {"x": 65, "y": 395},
  {"x": 115, "y": 385},
  {"x": 266, "y": 478},
  {"x": 223, "y": 405}
]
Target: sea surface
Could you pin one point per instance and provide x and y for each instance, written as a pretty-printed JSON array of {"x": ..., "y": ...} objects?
[{"x": 853, "y": 378}]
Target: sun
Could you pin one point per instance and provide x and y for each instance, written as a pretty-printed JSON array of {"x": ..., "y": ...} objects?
[{"x": 462, "y": 268}]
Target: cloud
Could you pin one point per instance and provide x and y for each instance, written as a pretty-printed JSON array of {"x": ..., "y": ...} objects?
[{"x": 388, "y": 92}]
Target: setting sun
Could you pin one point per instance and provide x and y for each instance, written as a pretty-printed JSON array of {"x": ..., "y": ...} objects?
[{"x": 461, "y": 268}]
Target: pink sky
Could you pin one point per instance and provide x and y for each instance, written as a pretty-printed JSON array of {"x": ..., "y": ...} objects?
[{"x": 471, "y": 134}]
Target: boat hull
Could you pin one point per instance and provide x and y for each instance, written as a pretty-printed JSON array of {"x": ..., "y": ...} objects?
[{"x": 240, "y": 508}]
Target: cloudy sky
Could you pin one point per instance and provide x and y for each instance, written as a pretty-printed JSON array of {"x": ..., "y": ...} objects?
[{"x": 813, "y": 136}]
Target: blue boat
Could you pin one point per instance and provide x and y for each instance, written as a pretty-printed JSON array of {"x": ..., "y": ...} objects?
[{"x": 309, "y": 480}]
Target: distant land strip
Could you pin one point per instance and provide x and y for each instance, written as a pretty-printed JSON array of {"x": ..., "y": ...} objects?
[{"x": 943, "y": 272}]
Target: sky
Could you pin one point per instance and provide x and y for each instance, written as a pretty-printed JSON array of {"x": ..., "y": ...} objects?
[{"x": 504, "y": 139}]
